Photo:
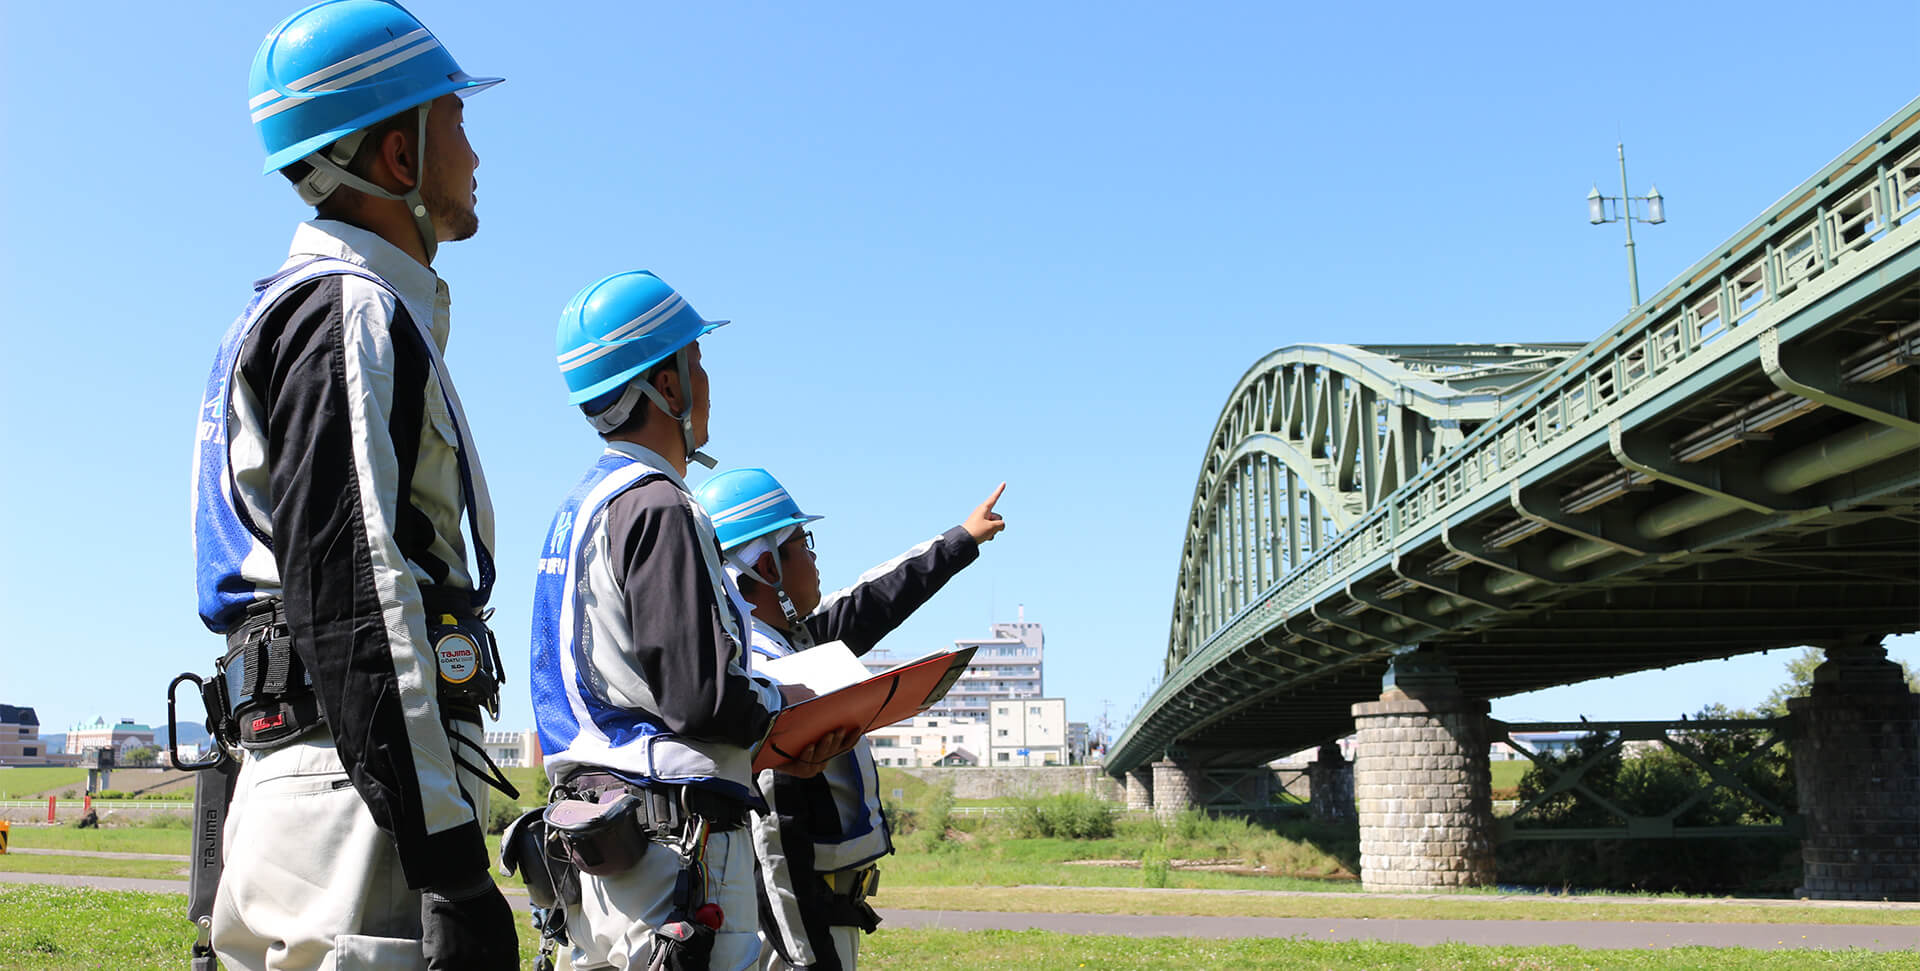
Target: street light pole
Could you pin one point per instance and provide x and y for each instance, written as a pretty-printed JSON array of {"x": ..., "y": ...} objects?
[
  {"x": 1633, "y": 262},
  {"x": 1597, "y": 214}
]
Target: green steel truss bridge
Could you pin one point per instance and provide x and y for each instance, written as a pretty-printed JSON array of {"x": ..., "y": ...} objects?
[{"x": 1733, "y": 467}]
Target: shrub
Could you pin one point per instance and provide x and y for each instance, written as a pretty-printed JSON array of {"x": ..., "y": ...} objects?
[
  {"x": 501, "y": 813},
  {"x": 1154, "y": 868},
  {"x": 1067, "y": 815},
  {"x": 1652, "y": 783},
  {"x": 164, "y": 821},
  {"x": 901, "y": 820}
]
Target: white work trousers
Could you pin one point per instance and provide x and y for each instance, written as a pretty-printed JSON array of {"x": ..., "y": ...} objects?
[
  {"x": 846, "y": 943},
  {"x": 613, "y": 926},
  {"x": 310, "y": 882}
]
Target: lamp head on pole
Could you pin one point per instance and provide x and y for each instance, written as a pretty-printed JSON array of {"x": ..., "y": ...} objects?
[
  {"x": 1656, "y": 207},
  {"x": 1596, "y": 207}
]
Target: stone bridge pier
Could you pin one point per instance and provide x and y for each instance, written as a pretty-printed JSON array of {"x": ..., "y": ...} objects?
[
  {"x": 1422, "y": 786},
  {"x": 1856, "y": 765}
]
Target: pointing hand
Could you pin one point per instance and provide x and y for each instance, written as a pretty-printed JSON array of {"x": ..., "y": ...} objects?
[{"x": 984, "y": 524}]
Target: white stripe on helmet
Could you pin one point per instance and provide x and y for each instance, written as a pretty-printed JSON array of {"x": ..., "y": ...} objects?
[
  {"x": 640, "y": 326},
  {"x": 338, "y": 67},
  {"x": 751, "y": 506},
  {"x": 368, "y": 71}
]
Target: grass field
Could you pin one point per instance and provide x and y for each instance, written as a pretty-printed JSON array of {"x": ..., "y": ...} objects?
[
  {"x": 25, "y": 783},
  {"x": 57, "y": 927},
  {"x": 995, "y": 874},
  {"x": 1506, "y": 776}
]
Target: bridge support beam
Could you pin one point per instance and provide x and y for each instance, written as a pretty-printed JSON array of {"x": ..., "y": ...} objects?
[
  {"x": 1139, "y": 789},
  {"x": 1421, "y": 782},
  {"x": 1330, "y": 785},
  {"x": 1857, "y": 767},
  {"x": 1173, "y": 786}
]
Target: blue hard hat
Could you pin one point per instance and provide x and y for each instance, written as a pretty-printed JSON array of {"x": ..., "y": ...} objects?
[
  {"x": 747, "y": 503},
  {"x": 617, "y": 328},
  {"x": 338, "y": 66}
]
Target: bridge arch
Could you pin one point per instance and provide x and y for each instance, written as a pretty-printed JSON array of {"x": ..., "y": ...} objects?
[{"x": 1312, "y": 437}]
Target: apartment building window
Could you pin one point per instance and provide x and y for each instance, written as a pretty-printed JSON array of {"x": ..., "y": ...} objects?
[
  {"x": 1004, "y": 757},
  {"x": 1033, "y": 709},
  {"x": 916, "y": 740},
  {"x": 29, "y": 750},
  {"x": 1002, "y": 733}
]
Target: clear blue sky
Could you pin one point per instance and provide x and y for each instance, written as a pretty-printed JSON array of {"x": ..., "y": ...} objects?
[{"x": 961, "y": 244}]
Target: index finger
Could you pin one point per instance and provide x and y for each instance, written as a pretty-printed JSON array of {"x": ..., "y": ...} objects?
[{"x": 988, "y": 505}]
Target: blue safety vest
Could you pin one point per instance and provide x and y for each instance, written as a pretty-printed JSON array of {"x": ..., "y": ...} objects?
[
  {"x": 578, "y": 726},
  {"x": 224, "y": 535}
]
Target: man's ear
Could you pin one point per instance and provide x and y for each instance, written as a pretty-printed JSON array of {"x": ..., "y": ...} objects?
[
  {"x": 667, "y": 382},
  {"x": 397, "y": 160},
  {"x": 768, "y": 565}
]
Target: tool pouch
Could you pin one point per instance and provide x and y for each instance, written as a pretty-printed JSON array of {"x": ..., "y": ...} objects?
[
  {"x": 552, "y": 880},
  {"x": 600, "y": 838},
  {"x": 682, "y": 944}
]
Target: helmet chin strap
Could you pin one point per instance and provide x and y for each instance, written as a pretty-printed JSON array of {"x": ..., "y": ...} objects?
[
  {"x": 797, "y": 634},
  {"x": 622, "y": 409},
  {"x": 329, "y": 174}
]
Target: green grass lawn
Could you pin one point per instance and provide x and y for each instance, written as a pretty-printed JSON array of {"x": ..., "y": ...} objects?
[
  {"x": 1507, "y": 775},
  {"x": 26, "y": 783},
  {"x": 170, "y": 838},
  {"x": 982, "y": 867},
  {"x": 59, "y": 927}
]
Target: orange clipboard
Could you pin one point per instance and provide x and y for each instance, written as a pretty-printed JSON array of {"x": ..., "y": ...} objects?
[{"x": 890, "y": 696}]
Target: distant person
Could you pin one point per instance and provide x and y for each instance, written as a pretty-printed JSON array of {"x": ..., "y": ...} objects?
[
  {"x": 643, "y": 690},
  {"x": 334, "y": 468},
  {"x": 90, "y": 821},
  {"x": 822, "y": 830}
]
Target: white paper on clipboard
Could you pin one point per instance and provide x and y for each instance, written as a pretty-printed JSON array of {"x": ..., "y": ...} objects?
[{"x": 822, "y": 667}]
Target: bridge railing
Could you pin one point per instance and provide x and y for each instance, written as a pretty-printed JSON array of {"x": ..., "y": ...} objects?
[{"x": 1857, "y": 211}]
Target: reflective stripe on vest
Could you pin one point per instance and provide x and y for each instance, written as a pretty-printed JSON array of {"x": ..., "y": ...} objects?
[
  {"x": 224, "y": 536},
  {"x": 858, "y": 834},
  {"x": 577, "y": 725}
]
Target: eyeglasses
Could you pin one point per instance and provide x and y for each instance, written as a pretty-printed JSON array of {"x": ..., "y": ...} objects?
[{"x": 805, "y": 535}]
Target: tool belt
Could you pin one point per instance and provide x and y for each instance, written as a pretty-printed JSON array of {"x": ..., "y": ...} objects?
[
  {"x": 268, "y": 693},
  {"x": 849, "y": 908},
  {"x": 604, "y": 824}
]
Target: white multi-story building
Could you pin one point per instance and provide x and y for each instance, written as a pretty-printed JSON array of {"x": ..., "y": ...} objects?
[
  {"x": 1027, "y": 731},
  {"x": 102, "y": 734},
  {"x": 513, "y": 750},
  {"x": 927, "y": 740},
  {"x": 1006, "y": 664}
]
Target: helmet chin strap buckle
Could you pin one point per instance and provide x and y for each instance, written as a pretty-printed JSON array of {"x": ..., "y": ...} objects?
[
  {"x": 704, "y": 459},
  {"x": 329, "y": 173}
]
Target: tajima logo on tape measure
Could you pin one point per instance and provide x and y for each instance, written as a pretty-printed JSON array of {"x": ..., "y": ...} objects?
[{"x": 459, "y": 658}]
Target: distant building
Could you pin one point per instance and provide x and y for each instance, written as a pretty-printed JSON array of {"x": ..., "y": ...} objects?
[
  {"x": 1079, "y": 742},
  {"x": 1006, "y": 664},
  {"x": 89, "y": 737},
  {"x": 514, "y": 750},
  {"x": 1027, "y": 731},
  {"x": 20, "y": 737},
  {"x": 929, "y": 739}
]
